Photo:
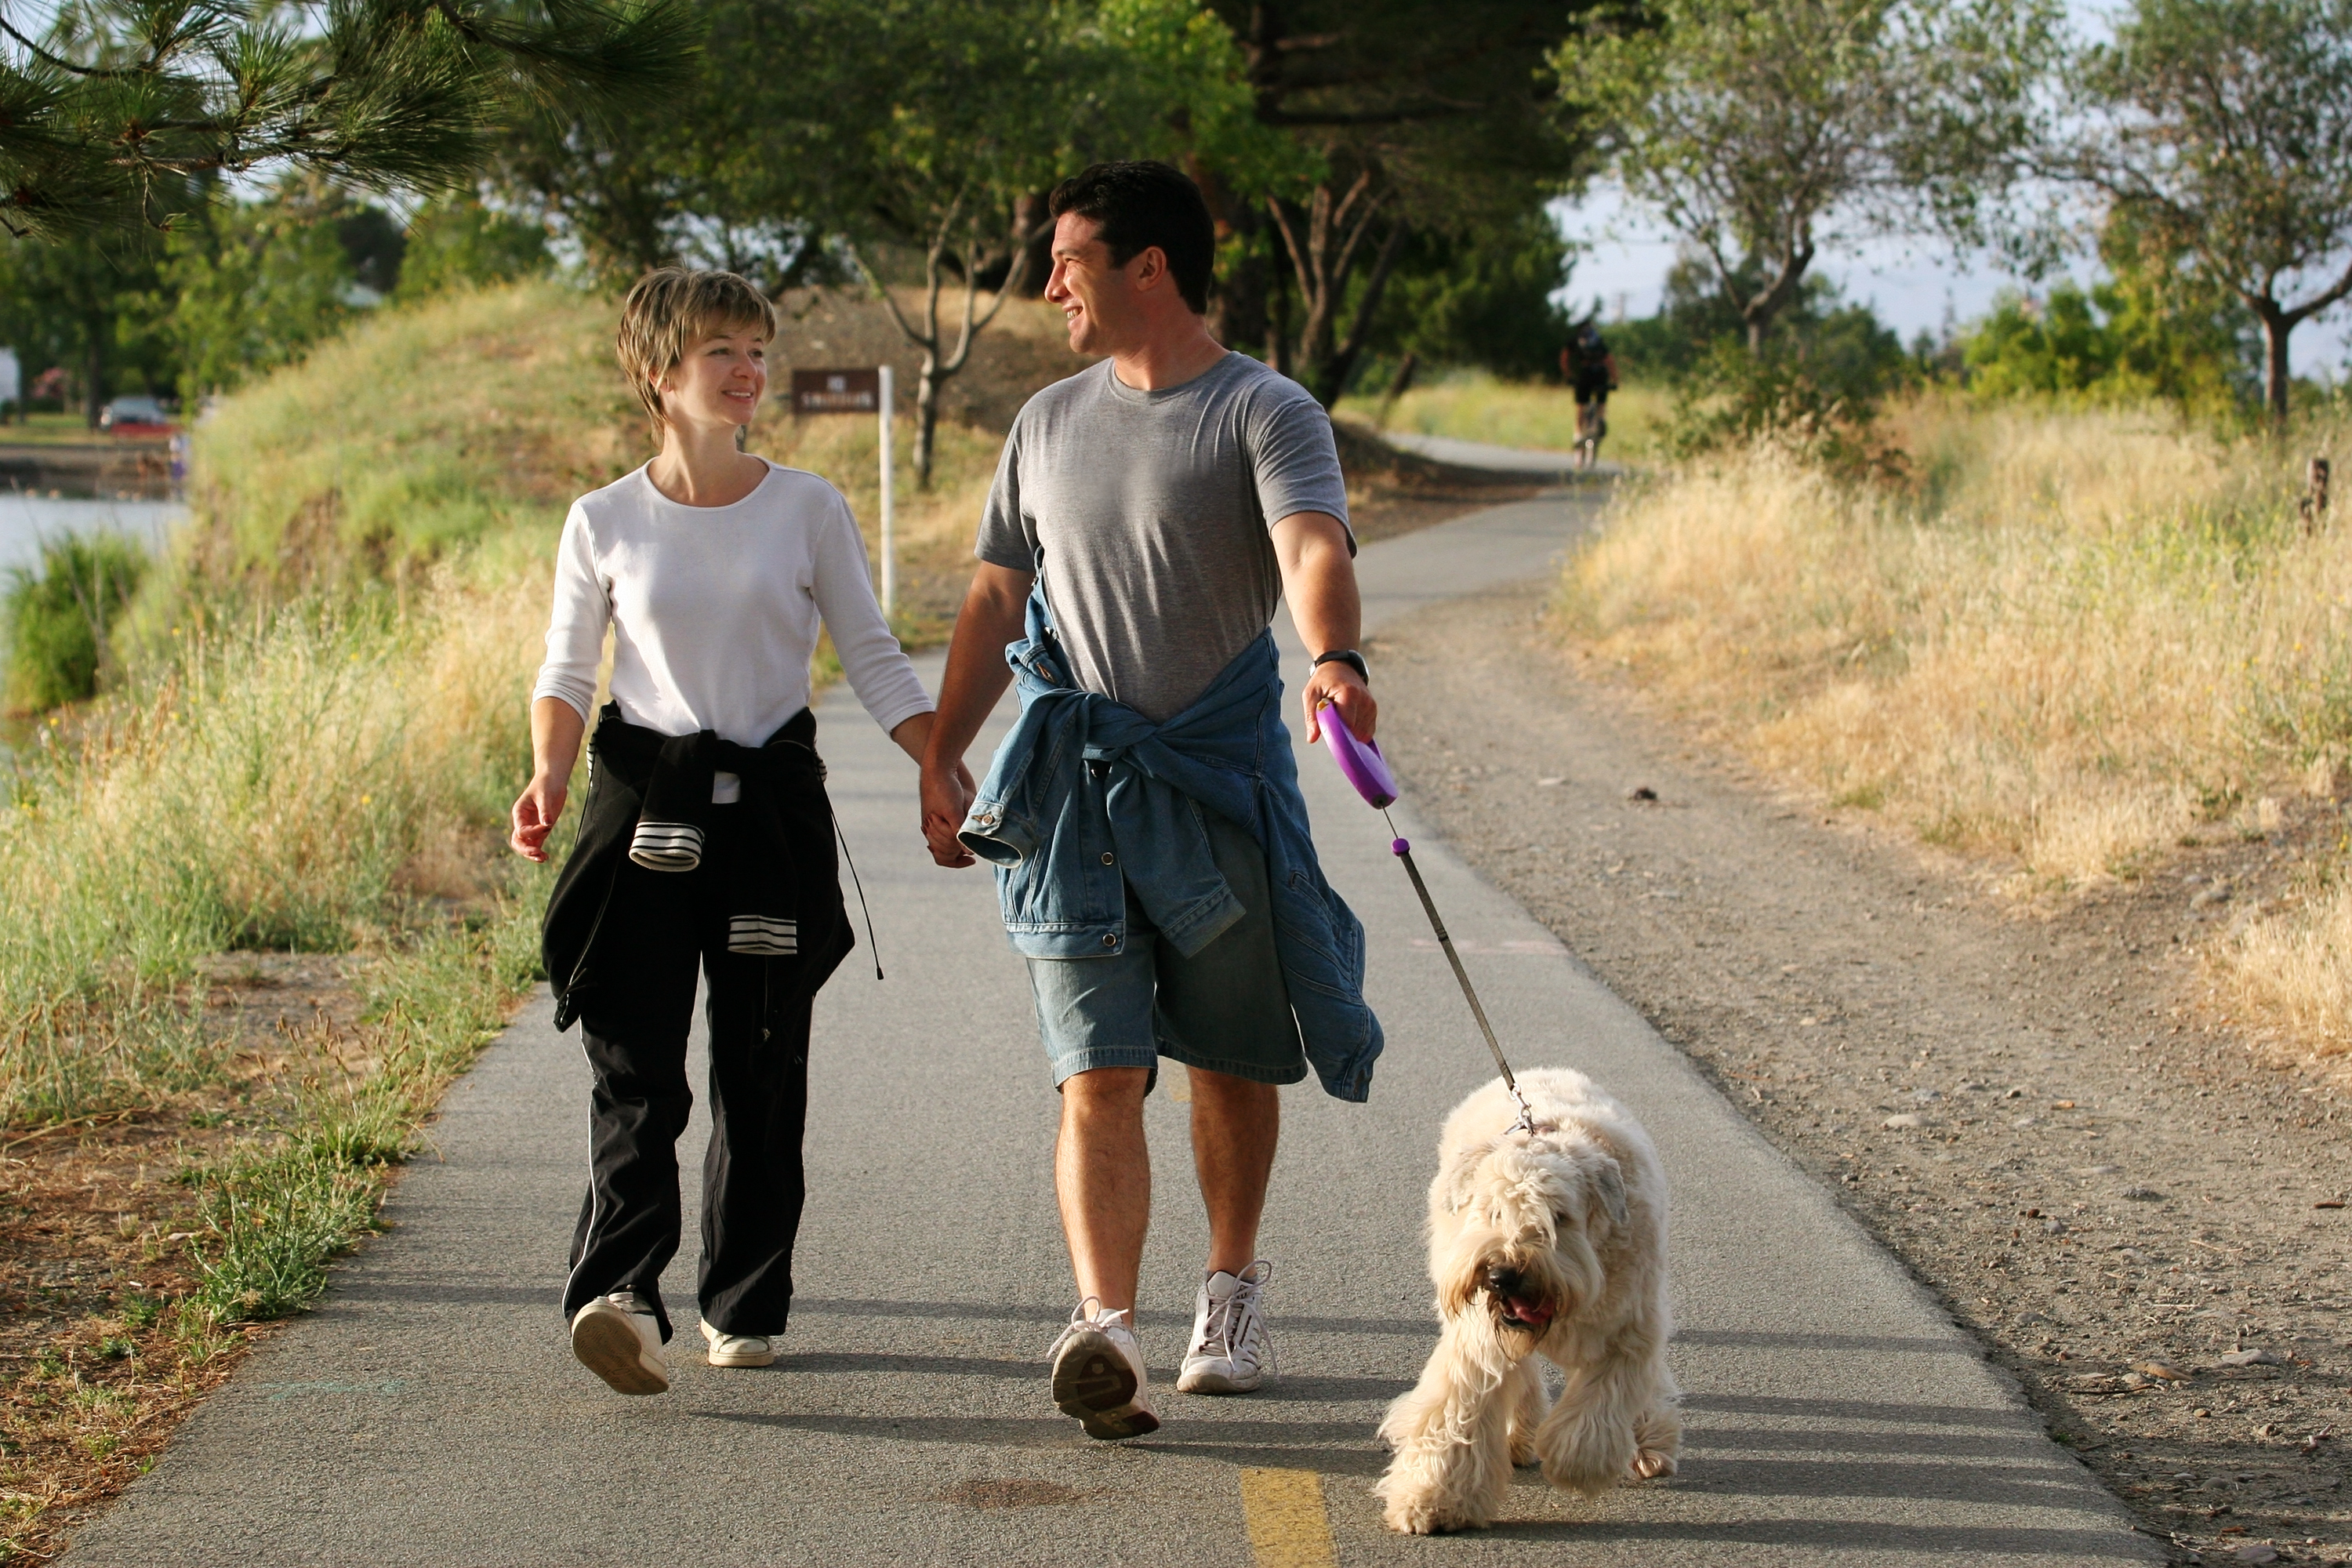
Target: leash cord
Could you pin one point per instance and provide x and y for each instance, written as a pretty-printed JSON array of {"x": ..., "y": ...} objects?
[{"x": 1429, "y": 906}]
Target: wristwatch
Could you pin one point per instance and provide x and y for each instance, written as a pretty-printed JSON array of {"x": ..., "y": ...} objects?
[{"x": 1347, "y": 656}]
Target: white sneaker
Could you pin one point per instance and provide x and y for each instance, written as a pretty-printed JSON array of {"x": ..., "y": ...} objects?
[
  {"x": 1230, "y": 1351},
  {"x": 1098, "y": 1374},
  {"x": 739, "y": 1350},
  {"x": 616, "y": 1338}
]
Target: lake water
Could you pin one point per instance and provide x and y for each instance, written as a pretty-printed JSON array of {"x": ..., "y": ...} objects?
[{"x": 26, "y": 520}]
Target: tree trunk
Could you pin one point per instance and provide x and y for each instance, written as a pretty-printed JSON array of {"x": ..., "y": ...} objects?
[
  {"x": 1342, "y": 365},
  {"x": 926, "y": 416},
  {"x": 2276, "y": 329},
  {"x": 93, "y": 388}
]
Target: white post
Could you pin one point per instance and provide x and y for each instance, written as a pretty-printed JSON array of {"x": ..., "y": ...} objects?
[{"x": 889, "y": 550}]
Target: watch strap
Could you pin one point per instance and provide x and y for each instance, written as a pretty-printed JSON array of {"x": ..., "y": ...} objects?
[{"x": 1347, "y": 656}]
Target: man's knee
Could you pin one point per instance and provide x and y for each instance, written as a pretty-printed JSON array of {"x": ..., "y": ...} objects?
[
  {"x": 1222, "y": 1092},
  {"x": 1105, "y": 1091}
]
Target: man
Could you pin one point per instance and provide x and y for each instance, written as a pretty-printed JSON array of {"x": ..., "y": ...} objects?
[
  {"x": 1590, "y": 371},
  {"x": 1154, "y": 863}
]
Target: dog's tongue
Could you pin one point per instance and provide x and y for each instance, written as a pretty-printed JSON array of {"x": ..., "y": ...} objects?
[{"x": 1534, "y": 1314}]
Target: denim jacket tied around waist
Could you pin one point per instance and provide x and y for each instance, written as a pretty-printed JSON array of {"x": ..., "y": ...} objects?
[{"x": 1087, "y": 798}]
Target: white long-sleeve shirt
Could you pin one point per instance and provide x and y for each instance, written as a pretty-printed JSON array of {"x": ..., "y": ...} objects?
[{"x": 715, "y": 610}]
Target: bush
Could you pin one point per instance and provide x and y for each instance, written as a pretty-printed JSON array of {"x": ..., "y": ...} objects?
[
  {"x": 59, "y": 616},
  {"x": 1817, "y": 398}
]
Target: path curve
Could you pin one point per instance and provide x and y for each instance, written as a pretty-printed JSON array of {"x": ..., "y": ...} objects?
[{"x": 428, "y": 1411}]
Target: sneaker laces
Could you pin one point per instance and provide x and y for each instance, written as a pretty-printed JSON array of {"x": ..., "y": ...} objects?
[
  {"x": 1090, "y": 1315},
  {"x": 1229, "y": 1322}
]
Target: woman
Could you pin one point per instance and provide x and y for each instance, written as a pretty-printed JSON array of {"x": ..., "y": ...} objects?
[{"x": 708, "y": 839}]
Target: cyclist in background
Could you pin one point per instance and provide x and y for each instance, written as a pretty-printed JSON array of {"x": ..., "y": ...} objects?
[{"x": 1590, "y": 372}]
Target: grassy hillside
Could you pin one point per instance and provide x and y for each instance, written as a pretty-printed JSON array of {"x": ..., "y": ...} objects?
[{"x": 2073, "y": 641}]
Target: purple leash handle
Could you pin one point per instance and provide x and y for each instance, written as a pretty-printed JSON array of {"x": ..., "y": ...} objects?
[{"x": 1362, "y": 762}]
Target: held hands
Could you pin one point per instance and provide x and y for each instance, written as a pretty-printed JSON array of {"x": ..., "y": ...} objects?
[
  {"x": 534, "y": 815},
  {"x": 947, "y": 796},
  {"x": 1337, "y": 685}
]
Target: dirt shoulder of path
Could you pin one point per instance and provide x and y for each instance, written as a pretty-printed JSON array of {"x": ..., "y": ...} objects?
[
  {"x": 97, "y": 1367},
  {"x": 2135, "y": 1206}
]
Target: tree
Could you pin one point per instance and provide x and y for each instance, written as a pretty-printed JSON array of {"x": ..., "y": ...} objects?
[
  {"x": 1431, "y": 115},
  {"x": 1484, "y": 297},
  {"x": 1759, "y": 133},
  {"x": 251, "y": 285},
  {"x": 2153, "y": 328},
  {"x": 92, "y": 304},
  {"x": 123, "y": 111},
  {"x": 2224, "y": 128}
]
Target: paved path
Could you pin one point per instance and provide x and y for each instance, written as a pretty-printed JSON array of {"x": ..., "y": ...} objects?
[
  {"x": 428, "y": 1411},
  {"x": 1493, "y": 459}
]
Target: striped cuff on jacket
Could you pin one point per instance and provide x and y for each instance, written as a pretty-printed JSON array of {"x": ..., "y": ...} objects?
[
  {"x": 666, "y": 845},
  {"x": 763, "y": 936}
]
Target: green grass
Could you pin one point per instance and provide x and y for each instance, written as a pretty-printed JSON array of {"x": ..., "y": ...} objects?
[
  {"x": 1476, "y": 407},
  {"x": 276, "y": 1213},
  {"x": 71, "y": 429},
  {"x": 60, "y": 614}
]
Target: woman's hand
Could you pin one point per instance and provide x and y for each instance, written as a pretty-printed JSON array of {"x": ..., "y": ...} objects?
[
  {"x": 534, "y": 814},
  {"x": 556, "y": 728}
]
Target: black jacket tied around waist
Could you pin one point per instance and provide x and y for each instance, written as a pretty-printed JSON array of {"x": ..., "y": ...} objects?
[{"x": 649, "y": 801}]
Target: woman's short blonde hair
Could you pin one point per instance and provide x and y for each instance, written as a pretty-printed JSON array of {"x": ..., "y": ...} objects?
[{"x": 670, "y": 310}]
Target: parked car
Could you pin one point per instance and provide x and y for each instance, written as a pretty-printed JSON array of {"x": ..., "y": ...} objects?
[{"x": 134, "y": 416}]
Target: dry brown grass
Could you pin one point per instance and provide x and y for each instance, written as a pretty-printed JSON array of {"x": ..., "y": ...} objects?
[{"x": 2076, "y": 639}]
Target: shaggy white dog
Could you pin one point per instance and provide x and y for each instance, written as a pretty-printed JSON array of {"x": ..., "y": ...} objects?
[{"x": 1550, "y": 1245}]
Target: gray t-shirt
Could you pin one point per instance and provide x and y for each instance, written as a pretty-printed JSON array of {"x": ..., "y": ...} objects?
[{"x": 1152, "y": 510}]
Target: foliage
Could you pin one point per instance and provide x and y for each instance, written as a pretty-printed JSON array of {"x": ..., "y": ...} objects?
[
  {"x": 458, "y": 240},
  {"x": 2224, "y": 129},
  {"x": 1482, "y": 297},
  {"x": 124, "y": 112},
  {"x": 1815, "y": 398},
  {"x": 254, "y": 284},
  {"x": 1761, "y": 133},
  {"x": 2150, "y": 330},
  {"x": 60, "y": 614},
  {"x": 1420, "y": 116},
  {"x": 90, "y": 303}
]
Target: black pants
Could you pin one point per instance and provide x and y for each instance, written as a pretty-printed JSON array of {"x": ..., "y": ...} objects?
[{"x": 663, "y": 926}]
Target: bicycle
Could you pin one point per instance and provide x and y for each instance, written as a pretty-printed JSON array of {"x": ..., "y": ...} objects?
[{"x": 1592, "y": 424}]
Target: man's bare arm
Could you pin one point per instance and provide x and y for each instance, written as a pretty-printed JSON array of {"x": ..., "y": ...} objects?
[
  {"x": 1319, "y": 578},
  {"x": 995, "y": 612}
]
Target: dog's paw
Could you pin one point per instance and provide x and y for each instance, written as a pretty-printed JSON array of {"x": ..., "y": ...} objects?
[
  {"x": 1423, "y": 1516},
  {"x": 1649, "y": 1464},
  {"x": 1523, "y": 1451}
]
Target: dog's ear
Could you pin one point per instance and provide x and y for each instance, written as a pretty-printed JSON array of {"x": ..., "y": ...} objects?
[
  {"x": 1465, "y": 1177},
  {"x": 1611, "y": 1181}
]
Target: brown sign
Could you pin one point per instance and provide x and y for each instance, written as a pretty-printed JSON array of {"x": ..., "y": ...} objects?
[{"x": 836, "y": 391}]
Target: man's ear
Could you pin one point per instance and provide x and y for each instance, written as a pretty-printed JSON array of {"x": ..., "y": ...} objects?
[{"x": 1148, "y": 268}]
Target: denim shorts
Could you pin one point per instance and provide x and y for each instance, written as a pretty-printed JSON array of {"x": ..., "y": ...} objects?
[{"x": 1225, "y": 1008}]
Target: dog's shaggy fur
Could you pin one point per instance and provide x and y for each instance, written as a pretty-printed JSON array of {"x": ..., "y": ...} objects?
[{"x": 1549, "y": 1244}]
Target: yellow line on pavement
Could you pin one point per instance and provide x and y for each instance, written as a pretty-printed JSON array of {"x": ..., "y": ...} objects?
[{"x": 1288, "y": 1526}]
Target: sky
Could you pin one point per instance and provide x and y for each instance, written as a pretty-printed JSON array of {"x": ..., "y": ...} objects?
[{"x": 1913, "y": 287}]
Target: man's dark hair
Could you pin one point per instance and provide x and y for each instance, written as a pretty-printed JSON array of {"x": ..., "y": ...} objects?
[{"x": 1139, "y": 205}]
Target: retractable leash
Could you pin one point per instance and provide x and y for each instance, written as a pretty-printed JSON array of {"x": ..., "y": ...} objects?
[{"x": 1363, "y": 766}]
